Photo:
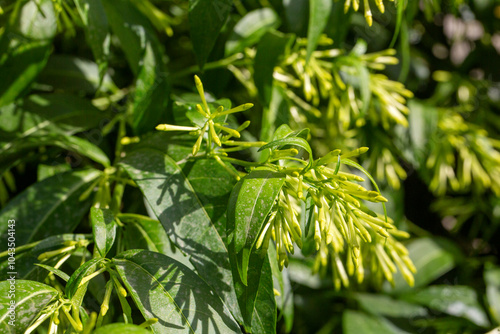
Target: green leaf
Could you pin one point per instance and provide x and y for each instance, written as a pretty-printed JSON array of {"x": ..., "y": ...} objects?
[
  {"x": 142, "y": 232},
  {"x": 270, "y": 50},
  {"x": 95, "y": 24},
  {"x": 281, "y": 282},
  {"x": 25, "y": 46},
  {"x": 48, "y": 207},
  {"x": 30, "y": 300},
  {"x": 264, "y": 317},
  {"x": 277, "y": 114},
  {"x": 432, "y": 257},
  {"x": 383, "y": 305},
  {"x": 292, "y": 141},
  {"x": 206, "y": 18},
  {"x": 184, "y": 216},
  {"x": 46, "y": 171},
  {"x": 166, "y": 289},
  {"x": 250, "y": 28},
  {"x": 248, "y": 208},
  {"x": 354, "y": 322},
  {"x": 319, "y": 13},
  {"x": 85, "y": 269},
  {"x": 120, "y": 329},
  {"x": 492, "y": 280},
  {"x": 72, "y": 74},
  {"x": 55, "y": 271},
  {"x": 145, "y": 57},
  {"x": 103, "y": 228},
  {"x": 39, "y": 115},
  {"x": 456, "y": 300},
  {"x": 26, "y": 260}
]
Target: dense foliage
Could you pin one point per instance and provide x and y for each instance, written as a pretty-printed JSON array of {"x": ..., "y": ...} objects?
[{"x": 253, "y": 166}]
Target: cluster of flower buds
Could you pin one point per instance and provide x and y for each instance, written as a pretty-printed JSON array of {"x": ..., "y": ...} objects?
[
  {"x": 367, "y": 9},
  {"x": 335, "y": 221},
  {"x": 463, "y": 156},
  {"x": 345, "y": 81},
  {"x": 214, "y": 131}
]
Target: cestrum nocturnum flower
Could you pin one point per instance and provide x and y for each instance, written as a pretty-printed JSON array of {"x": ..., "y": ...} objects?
[
  {"x": 336, "y": 221},
  {"x": 215, "y": 133}
]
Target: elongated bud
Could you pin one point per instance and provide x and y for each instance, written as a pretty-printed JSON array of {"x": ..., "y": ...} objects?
[
  {"x": 199, "y": 87},
  {"x": 107, "y": 295},
  {"x": 197, "y": 145},
  {"x": 355, "y": 153},
  {"x": 201, "y": 111},
  {"x": 129, "y": 140},
  {"x": 239, "y": 108},
  {"x": 213, "y": 134},
  {"x": 230, "y": 131},
  {"x": 168, "y": 127},
  {"x": 243, "y": 126}
]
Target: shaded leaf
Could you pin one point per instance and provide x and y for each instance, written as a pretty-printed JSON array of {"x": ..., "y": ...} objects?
[
  {"x": 186, "y": 221},
  {"x": 432, "y": 257},
  {"x": 319, "y": 13},
  {"x": 144, "y": 55},
  {"x": 55, "y": 271},
  {"x": 166, "y": 289},
  {"x": 96, "y": 29},
  {"x": 72, "y": 74},
  {"x": 49, "y": 207},
  {"x": 270, "y": 50},
  {"x": 103, "y": 228},
  {"x": 459, "y": 301},
  {"x": 354, "y": 322},
  {"x": 206, "y": 18},
  {"x": 120, "y": 329},
  {"x": 250, "y": 203},
  {"x": 492, "y": 280},
  {"x": 30, "y": 300},
  {"x": 250, "y": 28},
  {"x": 25, "y": 46},
  {"x": 76, "y": 278},
  {"x": 291, "y": 141},
  {"x": 387, "y": 306},
  {"x": 25, "y": 261},
  {"x": 281, "y": 282}
]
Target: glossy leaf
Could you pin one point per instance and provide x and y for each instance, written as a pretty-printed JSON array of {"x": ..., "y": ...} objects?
[
  {"x": 456, "y": 300},
  {"x": 250, "y": 28},
  {"x": 55, "y": 271},
  {"x": 251, "y": 201},
  {"x": 206, "y": 18},
  {"x": 319, "y": 13},
  {"x": 25, "y": 46},
  {"x": 377, "y": 304},
  {"x": 143, "y": 52},
  {"x": 166, "y": 289},
  {"x": 269, "y": 51},
  {"x": 183, "y": 215},
  {"x": 76, "y": 278},
  {"x": 95, "y": 23},
  {"x": 291, "y": 141},
  {"x": 25, "y": 261},
  {"x": 30, "y": 299},
  {"x": 39, "y": 115},
  {"x": 264, "y": 317},
  {"x": 492, "y": 280},
  {"x": 281, "y": 282},
  {"x": 142, "y": 232},
  {"x": 72, "y": 74},
  {"x": 354, "y": 322},
  {"x": 121, "y": 328},
  {"x": 432, "y": 257},
  {"x": 103, "y": 228},
  {"x": 48, "y": 207}
]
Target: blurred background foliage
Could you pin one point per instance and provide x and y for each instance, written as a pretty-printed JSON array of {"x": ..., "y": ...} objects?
[{"x": 415, "y": 81}]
